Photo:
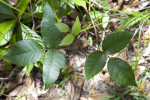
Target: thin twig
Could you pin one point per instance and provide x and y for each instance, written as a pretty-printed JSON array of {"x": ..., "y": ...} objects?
[{"x": 93, "y": 22}]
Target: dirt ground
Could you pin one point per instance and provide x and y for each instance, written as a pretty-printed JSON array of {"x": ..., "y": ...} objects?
[{"x": 72, "y": 85}]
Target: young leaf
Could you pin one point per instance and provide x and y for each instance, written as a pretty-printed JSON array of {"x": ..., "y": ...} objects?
[
  {"x": 22, "y": 5},
  {"x": 29, "y": 69},
  {"x": 121, "y": 72},
  {"x": 62, "y": 27},
  {"x": 25, "y": 52},
  {"x": 116, "y": 41},
  {"x": 67, "y": 40},
  {"x": 95, "y": 62},
  {"x": 6, "y": 29},
  {"x": 5, "y": 11},
  {"x": 76, "y": 27},
  {"x": 54, "y": 61},
  {"x": 51, "y": 35}
]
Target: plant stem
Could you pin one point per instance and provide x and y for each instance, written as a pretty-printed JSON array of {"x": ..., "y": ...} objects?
[{"x": 54, "y": 10}]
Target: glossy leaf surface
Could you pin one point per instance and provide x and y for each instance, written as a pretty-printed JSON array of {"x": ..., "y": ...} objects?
[
  {"x": 51, "y": 35},
  {"x": 6, "y": 29},
  {"x": 28, "y": 33},
  {"x": 25, "y": 52},
  {"x": 54, "y": 61},
  {"x": 95, "y": 62},
  {"x": 121, "y": 72},
  {"x": 116, "y": 41}
]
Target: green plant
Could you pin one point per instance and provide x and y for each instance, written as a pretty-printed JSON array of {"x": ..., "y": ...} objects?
[
  {"x": 119, "y": 70},
  {"x": 33, "y": 48},
  {"x": 30, "y": 48},
  {"x": 131, "y": 92}
]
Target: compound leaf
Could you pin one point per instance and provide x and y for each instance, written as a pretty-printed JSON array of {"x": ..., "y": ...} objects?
[
  {"x": 95, "y": 62},
  {"x": 25, "y": 52},
  {"x": 54, "y": 61},
  {"x": 121, "y": 72},
  {"x": 76, "y": 27},
  {"x": 67, "y": 40},
  {"x": 51, "y": 35},
  {"x": 116, "y": 41}
]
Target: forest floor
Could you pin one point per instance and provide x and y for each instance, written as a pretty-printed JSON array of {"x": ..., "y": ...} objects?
[{"x": 72, "y": 84}]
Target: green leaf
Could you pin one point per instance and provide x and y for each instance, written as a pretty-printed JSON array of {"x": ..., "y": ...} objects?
[
  {"x": 80, "y": 3},
  {"x": 29, "y": 69},
  {"x": 6, "y": 12},
  {"x": 54, "y": 61},
  {"x": 105, "y": 6},
  {"x": 121, "y": 72},
  {"x": 64, "y": 10},
  {"x": 55, "y": 3},
  {"x": 26, "y": 19},
  {"x": 25, "y": 52},
  {"x": 67, "y": 40},
  {"x": 62, "y": 27},
  {"x": 95, "y": 62},
  {"x": 6, "y": 29},
  {"x": 22, "y": 5},
  {"x": 105, "y": 20},
  {"x": 94, "y": 14},
  {"x": 2, "y": 52},
  {"x": 28, "y": 33},
  {"x": 76, "y": 27},
  {"x": 71, "y": 4},
  {"x": 7, "y": 65},
  {"x": 116, "y": 41},
  {"x": 51, "y": 35}
]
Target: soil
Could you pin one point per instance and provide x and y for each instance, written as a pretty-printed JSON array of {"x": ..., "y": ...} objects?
[{"x": 15, "y": 84}]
